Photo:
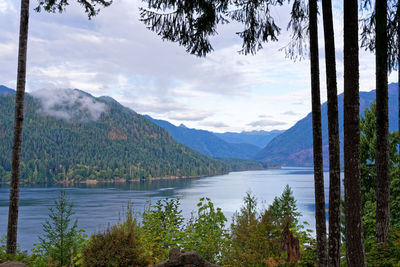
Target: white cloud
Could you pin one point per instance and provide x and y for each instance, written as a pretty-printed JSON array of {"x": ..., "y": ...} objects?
[
  {"x": 189, "y": 116},
  {"x": 114, "y": 54},
  {"x": 68, "y": 104},
  {"x": 266, "y": 123},
  {"x": 290, "y": 113},
  {"x": 215, "y": 124}
]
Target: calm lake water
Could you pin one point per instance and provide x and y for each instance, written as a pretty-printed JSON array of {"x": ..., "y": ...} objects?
[{"x": 97, "y": 206}]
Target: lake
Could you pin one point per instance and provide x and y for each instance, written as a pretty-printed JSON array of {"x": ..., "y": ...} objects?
[{"x": 97, "y": 206}]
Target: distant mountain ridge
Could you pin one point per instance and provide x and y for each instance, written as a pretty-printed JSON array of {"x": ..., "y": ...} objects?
[
  {"x": 294, "y": 146},
  {"x": 257, "y": 138},
  {"x": 207, "y": 143},
  {"x": 5, "y": 90}
]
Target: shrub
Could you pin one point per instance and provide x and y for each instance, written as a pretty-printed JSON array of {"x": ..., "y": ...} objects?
[
  {"x": 256, "y": 236},
  {"x": 163, "y": 227},
  {"x": 119, "y": 245},
  {"x": 21, "y": 256},
  {"x": 206, "y": 233}
]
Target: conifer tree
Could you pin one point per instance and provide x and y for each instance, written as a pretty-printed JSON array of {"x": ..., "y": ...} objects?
[{"x": 61, "y": 239}]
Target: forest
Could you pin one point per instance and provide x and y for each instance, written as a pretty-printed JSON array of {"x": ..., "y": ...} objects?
[{"x": 121, "y": 144}]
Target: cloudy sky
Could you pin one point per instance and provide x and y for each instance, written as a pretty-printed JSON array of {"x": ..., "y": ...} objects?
[{"x": 114, "y": 54}]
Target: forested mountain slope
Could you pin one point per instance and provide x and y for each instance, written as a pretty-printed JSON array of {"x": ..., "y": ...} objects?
[
  {"x": 71, "y": 135},
  {"x": 294, "y": 146}
]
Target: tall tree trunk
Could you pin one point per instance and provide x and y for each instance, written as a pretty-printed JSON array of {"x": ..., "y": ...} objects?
[
  {"x": 355, "y": 253},
  {"x": 398, "y": 64},
  {"x": 334, "y": 146},
  {"x": 18, "y": 120},
  {"x": 317, "y": 136},
  {"x": 382, "y": 125}
]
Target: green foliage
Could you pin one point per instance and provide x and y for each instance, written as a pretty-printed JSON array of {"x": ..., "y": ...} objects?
[
  {"x": 163, "y": 225},
  {"x": 91, "y": 6},
  {"x": 256, "y": 236},
  {"x": 206, "y": 233},
  {"x": 190, "y": 24},
  {"x": 368, "y": 172},
  {"x": 119, "y": 245},
  {"x": 21, "y": 256},
  {"x": 385, "y": 254},
  {"x": 61, "y": 240},
  {"x": 285, "y": 207},
  {"x": 378, "y": 254},
  {"x": 121, "y": 144},
  {"x": 162, "y": 228}
]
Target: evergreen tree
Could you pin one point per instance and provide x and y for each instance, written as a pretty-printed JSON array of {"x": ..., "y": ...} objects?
[
  {"x": 284, "y": 207},
  {"x": 61, "y": 239}
]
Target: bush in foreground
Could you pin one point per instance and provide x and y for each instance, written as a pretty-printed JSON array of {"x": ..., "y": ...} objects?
[{"x": 119, "y": 245}]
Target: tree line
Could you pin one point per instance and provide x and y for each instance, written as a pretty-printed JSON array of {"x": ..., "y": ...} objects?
[{"x": 121, "y": 144}]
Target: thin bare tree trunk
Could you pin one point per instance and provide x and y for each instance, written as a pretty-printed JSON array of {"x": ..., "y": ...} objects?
[
  {"x": 18, "y": 120},
  {"x": 355, "y": 253},
  {"x": 317, "y": 137},
  {"x": 382, "y": 126},
  {"x": 334, "y": 146}
]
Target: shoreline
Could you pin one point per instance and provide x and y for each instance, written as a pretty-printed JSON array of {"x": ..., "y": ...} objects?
[
  {"x": 135, "y": 180},
  {"x": 115, "y": 181}
]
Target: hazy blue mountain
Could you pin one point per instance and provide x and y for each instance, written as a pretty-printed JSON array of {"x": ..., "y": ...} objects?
[
  {"x": 5, "y": 90},
  {"x": 294, "y": 146},
  {"x": 207, "y": 142},
  {"x": 257, "y": 138}
]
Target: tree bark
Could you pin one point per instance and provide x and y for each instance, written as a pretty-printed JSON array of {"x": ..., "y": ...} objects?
[
  {"x": 398, "y": 64},
  {"x": 382, "y": 125},
  {"x": 333, "y": 128},
  {"x": 18, "y": 120},
  {"x": 317, "y": 137},
  {"x": 355, "y": 253}
]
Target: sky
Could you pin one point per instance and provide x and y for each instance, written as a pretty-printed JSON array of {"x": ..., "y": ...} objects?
[{"x": 115, "y": 55}]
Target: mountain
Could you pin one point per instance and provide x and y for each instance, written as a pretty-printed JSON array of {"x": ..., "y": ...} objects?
[
  {"x": 257, "y": 138},
  {"x": 208, "y": 143},
  {"x": 294, "y": 146},
  {"x": 71, "y": 135},
  {"x": 5, "y": 90}
]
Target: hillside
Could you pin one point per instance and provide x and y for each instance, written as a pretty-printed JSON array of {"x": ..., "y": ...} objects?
[
  {"x": 72, "y": 135},
  {"x": 208, "y": 143},
  {"x": 294, "y": 146}
]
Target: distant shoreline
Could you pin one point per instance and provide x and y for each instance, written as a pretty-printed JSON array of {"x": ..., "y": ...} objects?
[{"x": 117, "y": 181}]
